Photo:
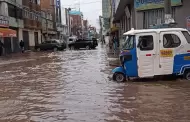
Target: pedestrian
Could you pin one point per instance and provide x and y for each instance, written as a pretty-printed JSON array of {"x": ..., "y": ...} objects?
[
  {"x": 22, "y": 45},
  {"x": 115, "y": 43},
  {"x": 1, "y": 48}
]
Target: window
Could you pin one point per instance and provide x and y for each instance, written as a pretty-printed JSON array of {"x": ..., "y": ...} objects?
[
  {"x": 12, "y": 10},
  {"x": 187, "y": 36},
  {"x": 129, "y": 43},
  {"x": 156, "y": 16},
  {"x": 146, "y": 43},
  {"x": 171, "y": 41}
]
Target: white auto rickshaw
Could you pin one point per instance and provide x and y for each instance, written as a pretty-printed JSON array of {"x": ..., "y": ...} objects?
[{"x": 154, "y": 52}]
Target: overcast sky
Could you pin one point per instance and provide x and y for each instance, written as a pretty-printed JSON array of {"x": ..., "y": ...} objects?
[{"x": 91, "y": 9}]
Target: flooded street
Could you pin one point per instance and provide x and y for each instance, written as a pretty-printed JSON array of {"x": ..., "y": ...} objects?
[{"x": 73, "y": 86}]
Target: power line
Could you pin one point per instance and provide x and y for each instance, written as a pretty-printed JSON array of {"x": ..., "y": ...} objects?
[{"x": 84, "y": 3}]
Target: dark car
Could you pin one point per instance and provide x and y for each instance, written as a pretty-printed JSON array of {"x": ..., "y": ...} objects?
[
  {"x": 83, "y": 43},
  {"x": 50, "y": 45},
  {"x": 95, "y": 42}
]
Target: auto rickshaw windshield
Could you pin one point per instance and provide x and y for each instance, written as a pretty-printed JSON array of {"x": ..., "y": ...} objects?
[{"x": 129, "y": 42}]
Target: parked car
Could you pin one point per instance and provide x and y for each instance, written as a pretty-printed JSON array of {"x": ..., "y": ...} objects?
[
  {"x": 63, "y": 43},
  {"x": 72, "y": 39},
  {"x": 95, "y": 42},
  {"x": 83, "y": 43},
  {"x": 50, "y": 45}
]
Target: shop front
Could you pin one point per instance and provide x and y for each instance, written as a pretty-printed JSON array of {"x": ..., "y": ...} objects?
[
  {"x": 150, "y": 13},
  {"x": 7, "y": 38}
]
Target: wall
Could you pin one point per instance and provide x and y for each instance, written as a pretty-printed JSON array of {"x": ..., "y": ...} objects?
[
  {"x": 182, "y": 12},
  {"x": 4, "y": 9},
  {"x": 16, "y": 22},
  {"x": 106, "y": 8},
  {"x": 20, "y": 34},
  {"x": 76, "y": 20},
  {"x": 63, "y": 16},
  {"x": 31, "y": 37}
]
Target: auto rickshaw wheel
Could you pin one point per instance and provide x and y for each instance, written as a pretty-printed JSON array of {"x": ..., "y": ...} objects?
[
  {"x": 119, "y": 77},
  {"x": 187, "y": 74}
]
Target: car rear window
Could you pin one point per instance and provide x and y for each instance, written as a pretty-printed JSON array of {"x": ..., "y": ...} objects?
[{"x": 187, "y": 36}]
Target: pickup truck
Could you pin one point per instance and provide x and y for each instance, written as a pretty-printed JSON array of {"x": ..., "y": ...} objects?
[{"x": 83, "y": 43}]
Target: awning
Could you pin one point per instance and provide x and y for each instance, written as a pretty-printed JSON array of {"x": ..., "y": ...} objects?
[
  {"x": 6, "y": 32},
  {"x": 114, "y": 29}
]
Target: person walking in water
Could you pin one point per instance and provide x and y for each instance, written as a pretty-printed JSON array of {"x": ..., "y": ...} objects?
[{"x": 22, "y": 45}]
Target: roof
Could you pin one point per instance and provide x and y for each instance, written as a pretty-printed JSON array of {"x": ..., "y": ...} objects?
[
  {"x": 75, "y": 13},
  {"x": 133, "y": 32}
]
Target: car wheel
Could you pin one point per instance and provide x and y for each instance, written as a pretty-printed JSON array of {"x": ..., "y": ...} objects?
[
  {"x": 119, "y": 77},
  {"x": 187, "y": 75},
  {"x": 38, "y": 49},
  {"x": 55, "y": 49},
  {"x": 87, "y": 47}
]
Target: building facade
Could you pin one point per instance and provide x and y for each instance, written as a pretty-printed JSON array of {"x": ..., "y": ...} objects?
[
  {"x": 153, "y": 13},
  {"x": 32, "y": 23},
  {"x": 77, "y": 19},
  {"x": 106, "y": 13},
  {"x": 11, "y": 20},
  {"x": 48, "y": 19},
  {"x": 143, "y": 14}
]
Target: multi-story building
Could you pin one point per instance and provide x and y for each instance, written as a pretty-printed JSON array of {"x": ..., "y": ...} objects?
[
  {"x": 85, "y": 29},
  {"x": 48, "y": 19},
  {"x": 11, "y": 24},
  {"x": 77, "y": 18},
  {"x": 106, "y": 13},
  {"x": 144, "y": 14},
  {"x": 32, "y": 23},
  {"x": 65, "y": 23}
]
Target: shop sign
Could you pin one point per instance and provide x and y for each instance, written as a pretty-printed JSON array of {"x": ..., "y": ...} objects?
[
  {"x": 188, "y": 23},
  {"x": 57, "y": 3},
  {"x": 4, "y": 21},
  {"x": 153, "y": 4}
]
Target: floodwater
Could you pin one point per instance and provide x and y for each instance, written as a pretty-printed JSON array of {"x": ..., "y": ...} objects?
[{"x": 73, "y": 86}]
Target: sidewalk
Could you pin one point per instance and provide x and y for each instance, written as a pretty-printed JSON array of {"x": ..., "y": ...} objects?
[{"x": 113, "y": 58}]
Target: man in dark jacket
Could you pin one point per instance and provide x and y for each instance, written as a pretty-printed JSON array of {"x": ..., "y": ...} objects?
[{"x": 22, "y": 45}]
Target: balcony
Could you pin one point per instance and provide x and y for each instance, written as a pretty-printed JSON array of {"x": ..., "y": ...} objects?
[
  {"x": 39, "y": 25},
  {"x": 31, "y": 5},
  {"x": 27, "y": 23}
]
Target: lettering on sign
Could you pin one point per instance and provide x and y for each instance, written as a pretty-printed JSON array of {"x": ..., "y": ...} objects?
[
  {"x": 166, "y": 53},
  {"x": 186, "y": 57}
]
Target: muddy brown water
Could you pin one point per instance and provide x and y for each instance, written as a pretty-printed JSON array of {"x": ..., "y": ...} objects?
[{"x": 73, "y": 86}]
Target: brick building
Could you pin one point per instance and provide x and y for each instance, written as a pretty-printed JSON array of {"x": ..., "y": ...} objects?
[
  {"x": 32, "y": 23},
  {"x": 48, "y": 19},
  {"x": 77, "y": 18}
]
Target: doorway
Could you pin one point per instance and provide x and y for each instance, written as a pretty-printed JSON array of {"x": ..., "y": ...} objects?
[
  {"x": 36, "y": 38},
  {"x": 26, "y": 40}
]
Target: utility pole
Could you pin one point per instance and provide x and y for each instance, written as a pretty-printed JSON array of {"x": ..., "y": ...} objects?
[{"x": 168, "y": 12}]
